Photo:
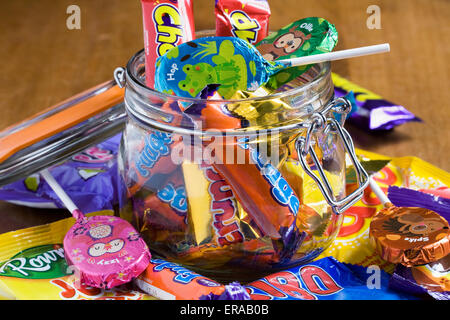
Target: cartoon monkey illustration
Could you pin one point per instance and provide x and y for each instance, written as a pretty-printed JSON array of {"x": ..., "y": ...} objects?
[
  {"x": 412, "y": 224},
  {"x": 284, "y": 44}
]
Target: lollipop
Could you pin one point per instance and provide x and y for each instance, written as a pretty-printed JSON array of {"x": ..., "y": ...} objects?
[
  {"x": 410, "y": 236},
  {"x": 106, "y": 250},
  {"x": 301, "y": 38},
  {"x": 232, "y": 63}
]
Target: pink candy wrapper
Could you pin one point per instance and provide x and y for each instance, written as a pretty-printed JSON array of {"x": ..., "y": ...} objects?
[{"x": 107, "y": 249}]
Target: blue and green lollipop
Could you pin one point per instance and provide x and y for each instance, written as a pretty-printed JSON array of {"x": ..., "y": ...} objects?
[{"x": 230, "y": 62}]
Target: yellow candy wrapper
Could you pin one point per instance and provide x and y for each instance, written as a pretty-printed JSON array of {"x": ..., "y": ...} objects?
[
  {"x": 33, "y": 267},
  {"x": 352, "y": 245}
]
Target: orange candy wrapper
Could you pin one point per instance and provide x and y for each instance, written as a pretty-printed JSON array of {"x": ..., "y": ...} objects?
[{"x": 170, "y": 281}]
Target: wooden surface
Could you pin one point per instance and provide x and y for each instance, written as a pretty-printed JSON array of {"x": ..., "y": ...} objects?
[{"x": 43, "y": 63}]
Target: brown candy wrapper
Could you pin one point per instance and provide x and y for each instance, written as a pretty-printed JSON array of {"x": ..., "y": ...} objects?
[{"x": 410, "y": 236}]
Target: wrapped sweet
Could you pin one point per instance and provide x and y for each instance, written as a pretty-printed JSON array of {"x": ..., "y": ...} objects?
[{"x": 248, "y": 20}]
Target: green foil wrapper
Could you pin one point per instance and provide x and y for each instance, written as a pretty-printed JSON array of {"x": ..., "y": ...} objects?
[{"x": 301, "y": 38}]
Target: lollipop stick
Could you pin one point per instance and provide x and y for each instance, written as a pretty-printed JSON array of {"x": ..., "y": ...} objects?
[
  {"x": 337, "y": 55},
  {"x": 379, "y": 193},
  {"x": 62, "y": 195}
]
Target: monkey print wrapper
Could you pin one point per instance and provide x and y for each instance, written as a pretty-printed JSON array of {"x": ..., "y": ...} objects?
[
  {"x": 410, "y": 236},
  {"x": 301, "y": 38}
]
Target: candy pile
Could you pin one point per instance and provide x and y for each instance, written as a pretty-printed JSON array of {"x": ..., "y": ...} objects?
[
  {"x": 233, "y": 212},
  {"x": 204, "y": 211},
  {"x": 356, "y": 271}
]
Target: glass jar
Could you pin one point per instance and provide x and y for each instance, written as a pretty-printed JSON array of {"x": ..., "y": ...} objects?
[{"x": 236, "y": 194}]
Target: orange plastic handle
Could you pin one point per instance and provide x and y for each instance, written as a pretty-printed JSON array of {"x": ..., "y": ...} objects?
[{"x": 60, "y": 121}]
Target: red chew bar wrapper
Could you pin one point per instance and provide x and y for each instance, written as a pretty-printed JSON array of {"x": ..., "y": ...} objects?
[
  {"x": 166, "y": 25},
  {"x": 248, "y": 20}
]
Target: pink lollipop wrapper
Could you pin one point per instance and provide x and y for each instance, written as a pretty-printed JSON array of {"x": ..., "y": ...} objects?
[{"x": 106, "y": 251}]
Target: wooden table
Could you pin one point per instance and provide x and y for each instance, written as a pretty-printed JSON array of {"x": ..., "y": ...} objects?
[{"x": 43, "y": 62}]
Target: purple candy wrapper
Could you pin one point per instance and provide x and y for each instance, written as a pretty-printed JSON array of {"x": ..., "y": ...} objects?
[
  {"x": 413, "y": 280},
  {"x": 404, "y": 197},
  {"x": 233, "y": 291},
  {"x": 89, "y": 178},
  {"x": 424, "y": 280},
  {"x": 372, "y": 112}
]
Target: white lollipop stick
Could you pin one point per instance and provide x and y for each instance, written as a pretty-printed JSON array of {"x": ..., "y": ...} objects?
[
  {"x": 378, "y": 192},
  {"x": 336, "y": 55},
  {"x": 62, "y": 195}
]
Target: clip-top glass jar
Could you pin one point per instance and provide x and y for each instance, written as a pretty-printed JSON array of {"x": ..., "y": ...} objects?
[{"x": 236, "y": 189}]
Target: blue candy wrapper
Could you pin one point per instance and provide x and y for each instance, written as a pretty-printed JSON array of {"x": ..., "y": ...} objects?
[
  {"x": 326, "y": 279},
  {"x": 89, "y": 178},
  {"x": 231, "y": 62}
]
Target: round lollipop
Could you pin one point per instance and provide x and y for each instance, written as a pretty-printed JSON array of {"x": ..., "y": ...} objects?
[
  {"x": 304, "y": 37},
  {"x": 106, "y": 250},
  {"x": 232, "y": 63},
  {"x": 410, "y": 236}
]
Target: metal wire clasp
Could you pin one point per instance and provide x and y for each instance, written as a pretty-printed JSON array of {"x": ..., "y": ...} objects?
[
  {"x": 321, "y": 123},
  {"x": 119, "y": 76}
]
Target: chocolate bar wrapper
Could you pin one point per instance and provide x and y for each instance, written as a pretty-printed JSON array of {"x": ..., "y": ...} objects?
[
  {"x": 405, "y": 197},
  {"x": 326, "y": 279},
  {"x": 89, "y": 177},
  {"x": 373, "y": 112}
]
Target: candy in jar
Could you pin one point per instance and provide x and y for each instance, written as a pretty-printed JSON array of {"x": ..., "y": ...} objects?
[
  {"x": 248, "y": 20},
  {"x": 166, "y": 25}
]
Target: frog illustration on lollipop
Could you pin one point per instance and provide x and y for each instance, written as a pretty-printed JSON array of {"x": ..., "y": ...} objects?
[{"x": 230, "y": 70}]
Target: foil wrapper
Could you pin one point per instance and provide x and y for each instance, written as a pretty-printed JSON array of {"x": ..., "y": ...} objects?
[
  {"x": 231, "y": 62},
  {"x": 304, "y": 37},
  {"x": 431, "y": 280},
  {"x": 410, "y": 236}
]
